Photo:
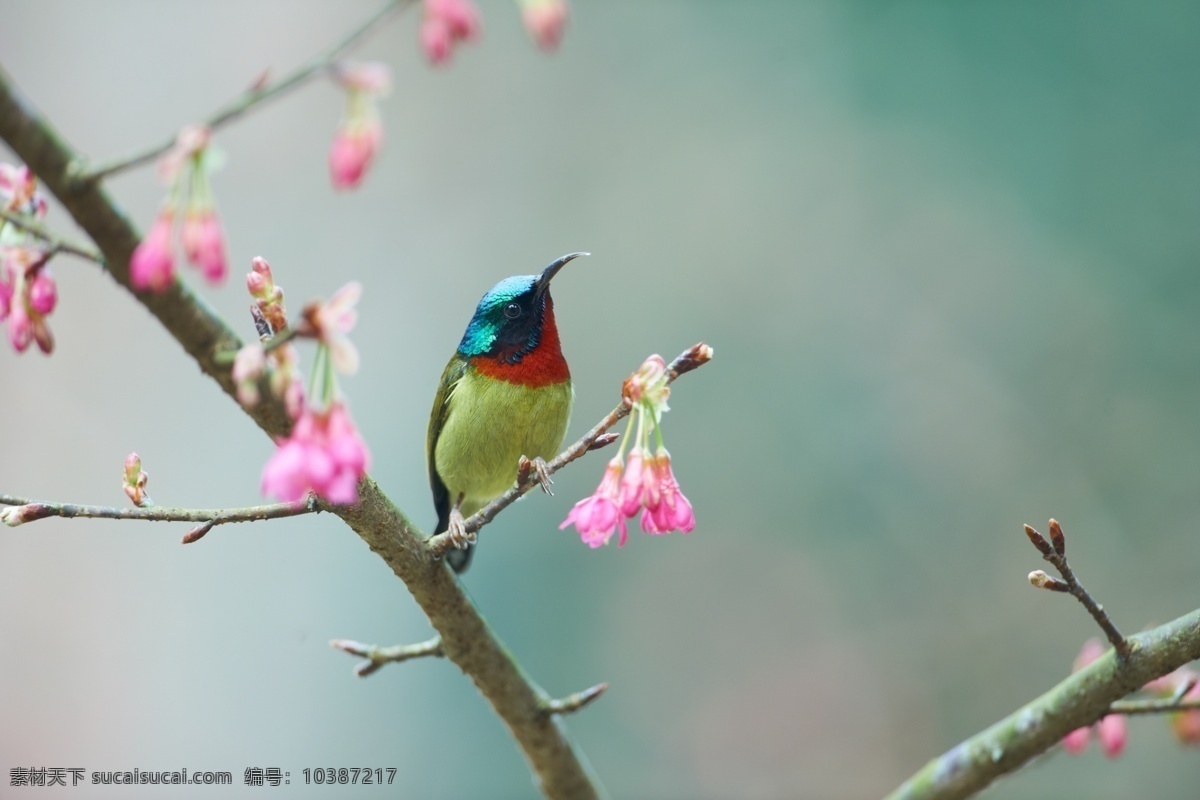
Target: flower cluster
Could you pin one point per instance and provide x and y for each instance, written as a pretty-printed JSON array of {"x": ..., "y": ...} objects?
[
  {"x": 28, "y": 292},
  {"x": 185, "y": 169},
  {"x": 447, "y": 23},
  {"x": 647, "y": 483},
  {"x": 360, "y": 133},
  {"x": 324, "y": 453}
]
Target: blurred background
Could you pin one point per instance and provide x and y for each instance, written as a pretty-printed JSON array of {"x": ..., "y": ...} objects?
[{"x": 947, "y": 257}]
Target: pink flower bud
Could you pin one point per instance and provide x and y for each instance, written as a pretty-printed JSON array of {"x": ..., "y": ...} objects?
[
  {"x": 204, "y": 244},
  {"x": 134, "y": 480},
  {"x": 445, "y": 24},
  {"x": 545, "y": 21},
  {"x": 152, "y": 267},
  {"x": 353, "y": 150},
  {"x": 43, "y": 293},
  {"x": 1113, "y": 734},
  {"x": 1076, "y": 741},
  {"x": 20, "y": 327}
]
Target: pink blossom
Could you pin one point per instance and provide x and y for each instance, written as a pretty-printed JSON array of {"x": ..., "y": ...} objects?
[
  {"x": 152, "y": 267},
  {"x": 596, "y": 516},
  {"x": 1076, "y": 741},
  {"x": 324, "y": 454},
  {"x": 43, "y": 292},
  {"x": 545, "y": 20},
  {"x": 353, "y": 150},
  {"x": 445, "y": 24},
  {"x": 1113, "y": 733},
  {"x": 633, "y": 484},
  {"x": 18, "y": 191},
  {"x": 332, "y": 321},
  {"x": 190, "y": 144},
  {"x": 667, "y": 509},
  {"x": 204, "y": 243}
]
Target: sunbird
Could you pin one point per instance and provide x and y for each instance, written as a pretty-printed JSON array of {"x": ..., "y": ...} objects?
[{"x": 506, "y": 393}]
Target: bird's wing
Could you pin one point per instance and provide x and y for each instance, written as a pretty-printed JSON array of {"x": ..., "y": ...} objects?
[{"x": 437, "y": 420}]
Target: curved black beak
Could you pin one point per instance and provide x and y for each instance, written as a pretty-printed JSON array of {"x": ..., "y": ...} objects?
[{"x": 543, "y": 281}]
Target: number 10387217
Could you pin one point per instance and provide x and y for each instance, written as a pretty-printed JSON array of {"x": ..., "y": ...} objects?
[{"x": 349, "y": 775}]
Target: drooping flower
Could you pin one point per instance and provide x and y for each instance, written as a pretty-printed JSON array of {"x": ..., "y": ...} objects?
[
  {"x": 597, "y": 516},
  {"x": 28, "y": 294},
  {"x": 445, "y": 24},
  {"x": 152, "y": 267},
  {"x": 185, "y": 168},
  {"x": 324, "y": 454},
  {"x": 18, "y": 191},
  {"x": 544, "y": 20},
  {"x": 1113, "y": 733},
  {"x": 666, "y": 507},
  {"x": 360, "y": 133}
]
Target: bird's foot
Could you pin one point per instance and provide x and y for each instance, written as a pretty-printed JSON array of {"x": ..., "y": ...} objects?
[
  {"x": 542, "y": 470},
  {"x": 459, "y": 537}
]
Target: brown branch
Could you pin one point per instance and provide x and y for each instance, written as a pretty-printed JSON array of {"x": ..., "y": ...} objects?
[
  {"x": 1056, "y": 554},
  {"x": 695, "y": 356},
  {"x": 21, "y": 510},
  {"x": 378, "y": 656},
  {"x": 1082, "y": 699},
  {"x": 254, "y": 96},
  {"x": 57, "y": 243},
  {"x": 467, "y": 640}
]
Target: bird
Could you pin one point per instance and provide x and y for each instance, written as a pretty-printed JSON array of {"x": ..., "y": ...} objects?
[{"x": 506, "y": 393}]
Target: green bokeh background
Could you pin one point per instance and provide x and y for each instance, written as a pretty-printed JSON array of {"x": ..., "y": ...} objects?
[{"x": 947, "y": 256}]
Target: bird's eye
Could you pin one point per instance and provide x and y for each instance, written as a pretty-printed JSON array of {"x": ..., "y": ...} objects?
[{"x": 512, "y": 311}]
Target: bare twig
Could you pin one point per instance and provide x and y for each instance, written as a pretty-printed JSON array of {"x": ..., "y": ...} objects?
[
  {"x": 695, "y": 356},
  {"x": 21, "y": 510},
  {"x": 1134, "y": 707},
  {"x": 57, "y": 243},
  {"x": 1055, "y": 554},
  {"x": 573, "y": 702},
  {"x": 254, "y": 96},
  {"x": 379, "y": 656}
]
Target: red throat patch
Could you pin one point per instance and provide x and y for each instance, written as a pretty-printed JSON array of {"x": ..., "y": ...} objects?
[{"x": 542, "y": 366}]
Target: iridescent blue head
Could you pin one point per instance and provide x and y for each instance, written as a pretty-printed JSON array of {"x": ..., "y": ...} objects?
[{"x": 509, "y": 318}]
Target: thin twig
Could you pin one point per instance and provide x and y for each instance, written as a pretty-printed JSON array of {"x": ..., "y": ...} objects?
[
  {"x": 21, "y": 510},
  {"x": 1134, "y": 707},
  {"x": 254, "y": 96},
  {"x": 695, "y": 356},
  {"x": 1055, "y": 554},
  {"x": 57, "y": 243},
  {"x": 379, "y": 656},
  {"x": 573, "y": 702}
]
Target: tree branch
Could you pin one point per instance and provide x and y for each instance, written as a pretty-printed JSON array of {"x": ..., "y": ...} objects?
[
  {"x": 1135, "y": 707},
  {"x": 1056, "y": 554},
  {"x": 467, "y": 640},
  {"x": 695, "y": 356},
  {"x": 254, "y": 96},
  {"x": 21, "y": 510},
  {"x": 378, "y": 656},
  {"x": 57, "y": 243},
  {"x": 573, "y": 702},
  {"x": 1080, "y": 700}
]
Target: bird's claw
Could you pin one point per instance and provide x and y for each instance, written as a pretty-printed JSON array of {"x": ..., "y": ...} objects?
[
  {"x": 542, "y": 469},
  {"x": 459, "y": 537}
]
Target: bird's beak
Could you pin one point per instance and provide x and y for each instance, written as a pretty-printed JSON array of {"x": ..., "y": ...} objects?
[{"x": 543, "y": 281}]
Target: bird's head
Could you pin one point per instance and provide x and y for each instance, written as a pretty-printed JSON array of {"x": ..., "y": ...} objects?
[{"x": 510, "y": 319}]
